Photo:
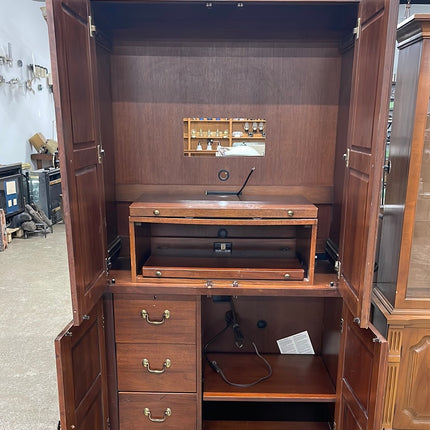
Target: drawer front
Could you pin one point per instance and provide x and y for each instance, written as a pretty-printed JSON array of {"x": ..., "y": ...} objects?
[
  {"x": 167, "y": 367},
  {"x": 157, "y": 411},
  {"x": 155, "y": 321}
]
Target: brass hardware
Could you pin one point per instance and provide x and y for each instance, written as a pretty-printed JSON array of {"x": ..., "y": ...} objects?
[
  {"x": 346, "y": 157},
  {"x": 290, "y": 213},
  {"x": 387, "y": 166},
  {"x": 156, "y": 212},
  {"x": 376, "y": 340},
  {"x": 85, "y": 317},
  {"x": 167, "y": 363},
  {"x": 91, "y": 26},
  {"x": 357, "y": 29},
  {"x": 209, "y": 284},
  {"x": 235, "y": 284},
  {"x": 158, "y": 274},
  {"x": 100, "y": 154},
  {"x": 337, "y": 268},
  {"x": 166, "y": 414},
  {"x": 287, "y": 276},
  {"x": 164, "y": 317},
  {"x": 357, "y": 320},
  {"x": 55, "y": 181}
]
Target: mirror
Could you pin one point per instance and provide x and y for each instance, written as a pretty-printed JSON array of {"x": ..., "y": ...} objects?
[{"x": 224, "y": 137}]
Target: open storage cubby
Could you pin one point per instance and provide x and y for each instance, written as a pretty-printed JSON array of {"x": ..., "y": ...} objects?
[
  {"x": 221, "y": 237},
  {"x": 301, "y": 387}
]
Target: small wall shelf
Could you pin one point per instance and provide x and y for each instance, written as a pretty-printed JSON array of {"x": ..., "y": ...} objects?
[{"x": 223, "y": 132}]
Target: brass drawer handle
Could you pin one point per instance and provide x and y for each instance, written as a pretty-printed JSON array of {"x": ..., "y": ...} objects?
[
  {"x": 164, "y": 317},
  {"x": 166, "y": 414},
  {"x": 167, "y": 363},
  {"x": 290, "y": 213}
]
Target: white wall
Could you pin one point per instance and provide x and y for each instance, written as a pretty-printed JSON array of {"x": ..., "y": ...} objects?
[{"x": 23, "y": 113}]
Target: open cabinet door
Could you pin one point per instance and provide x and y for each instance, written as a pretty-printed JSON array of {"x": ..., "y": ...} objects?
[
  {"x": 361, "y": 377},
  {"x": 81, "y": 374},
  {"x": 73, "y": 58},
  {"x": 371, "y": 86}
]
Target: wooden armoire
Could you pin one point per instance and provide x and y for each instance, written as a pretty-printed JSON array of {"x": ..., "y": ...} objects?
[{"x": 167, "y": 259}]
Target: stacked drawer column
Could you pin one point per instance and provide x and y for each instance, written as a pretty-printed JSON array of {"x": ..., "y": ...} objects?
[{"x": 158, "y": 363}]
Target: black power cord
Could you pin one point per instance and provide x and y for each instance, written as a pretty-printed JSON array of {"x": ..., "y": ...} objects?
[{"x": 231, "y": 321}]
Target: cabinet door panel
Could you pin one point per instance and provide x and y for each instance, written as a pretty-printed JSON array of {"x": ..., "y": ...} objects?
[
  {"x": 361, "y": 377},
  {"x": 72, "y": 53},
  {"x": 413, "y": 398},
  {"x": 81, "y": 374},
  {"x": 365, "y": 152}
]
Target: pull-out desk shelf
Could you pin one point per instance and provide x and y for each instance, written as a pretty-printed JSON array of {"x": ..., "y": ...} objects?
[{"x": 235, "y": 238}]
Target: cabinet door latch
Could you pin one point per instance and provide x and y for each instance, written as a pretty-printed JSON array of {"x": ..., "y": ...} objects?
[
  {"x": 100, "y": 154},
  {"x": 346, "y": 157}
]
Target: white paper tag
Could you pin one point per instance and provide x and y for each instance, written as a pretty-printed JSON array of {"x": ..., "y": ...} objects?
[{"x": 299, "y": 343}]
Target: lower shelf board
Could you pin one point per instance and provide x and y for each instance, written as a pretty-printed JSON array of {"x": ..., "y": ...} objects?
[
  {"x": 295, "y": 378},
  {"x": 264, "y": 425},
  {"x": 224, "y": 267}
]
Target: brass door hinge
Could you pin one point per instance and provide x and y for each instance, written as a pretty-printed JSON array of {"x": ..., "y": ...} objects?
[
  {"x": 337, "y": 268},
  {"x": 108, "y": 265},
  {"x": 92, "y": 28},
  {"x": 357, "y": 29}
]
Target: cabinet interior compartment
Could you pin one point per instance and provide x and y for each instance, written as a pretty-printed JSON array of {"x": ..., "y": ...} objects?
[
  {"x": 162, "y": 62},
  {"x": 219, "y": 251},
  {"x": 301, "y": 387}
]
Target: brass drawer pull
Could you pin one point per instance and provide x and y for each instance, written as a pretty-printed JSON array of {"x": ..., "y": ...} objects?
[
  {"x": 166, "y": 414},
  {"x": 290, "y": 213},
  {"x": 164, "y": 317},
  {"x": 167, "y": 363}
]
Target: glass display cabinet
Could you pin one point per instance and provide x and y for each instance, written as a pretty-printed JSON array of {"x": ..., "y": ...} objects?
[{"x": 402, "y": 274}]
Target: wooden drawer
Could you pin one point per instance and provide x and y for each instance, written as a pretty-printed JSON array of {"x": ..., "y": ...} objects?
[
  {"x": 177, "y": 325},
  {"x": 157, "y": 207},
  {"x": 176, "y": 362},
  {"x": 182, "y": 407}
]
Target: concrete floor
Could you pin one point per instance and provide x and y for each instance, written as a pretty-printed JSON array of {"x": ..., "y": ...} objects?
[{"x": 35, "y": 306}]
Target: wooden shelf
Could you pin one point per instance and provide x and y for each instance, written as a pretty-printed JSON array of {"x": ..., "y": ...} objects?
[
  {"x": 295, "y": 378},
  {"x": 223, "y": 267},
  {"x": 205, "y": 125},
  {"x": 264, "y": 425},
  {"x": 246, "y": 137}
]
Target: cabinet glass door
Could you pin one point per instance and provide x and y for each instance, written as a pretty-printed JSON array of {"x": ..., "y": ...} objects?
[{"x": 419, "y": 270}]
